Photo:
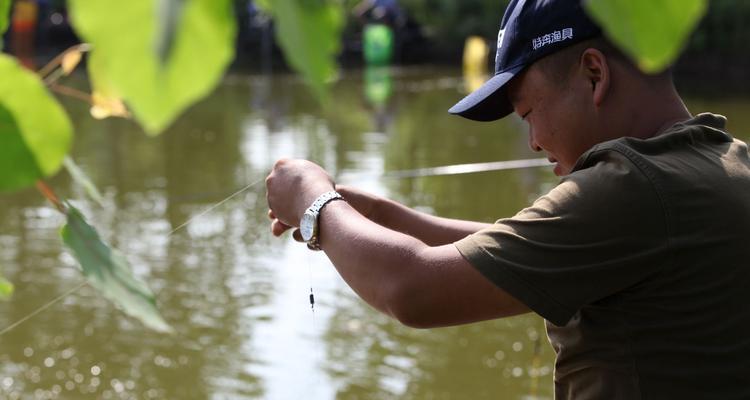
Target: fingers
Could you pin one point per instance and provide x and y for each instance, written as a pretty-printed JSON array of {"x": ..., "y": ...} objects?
[
  {"x": 278, "y": 227},
  {"x": 303, "y": 178}
]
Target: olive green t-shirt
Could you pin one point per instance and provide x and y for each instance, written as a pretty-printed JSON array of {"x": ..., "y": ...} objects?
[{"x": 639, "y": 260}]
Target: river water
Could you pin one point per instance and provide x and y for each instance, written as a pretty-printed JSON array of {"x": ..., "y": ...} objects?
[{"x": 237, "y": 297}]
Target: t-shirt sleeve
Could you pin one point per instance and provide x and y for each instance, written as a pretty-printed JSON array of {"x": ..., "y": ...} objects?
[{"x": 599, "y": 232}]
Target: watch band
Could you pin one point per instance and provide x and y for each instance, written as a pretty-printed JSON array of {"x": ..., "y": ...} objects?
[{"x": 314, "y": 209}]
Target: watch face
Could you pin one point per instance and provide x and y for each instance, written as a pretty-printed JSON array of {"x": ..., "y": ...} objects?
[{"x": 307, "y": 226}]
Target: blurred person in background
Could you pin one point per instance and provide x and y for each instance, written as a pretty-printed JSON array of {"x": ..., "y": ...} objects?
[{"x": 386, "y": 12}]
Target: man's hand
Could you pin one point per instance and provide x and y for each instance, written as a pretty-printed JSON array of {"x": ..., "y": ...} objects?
[
  {"x": 291, "y": 187},
  {"x": 384, "y": 261},
  {"x": 278, "y": 227}
]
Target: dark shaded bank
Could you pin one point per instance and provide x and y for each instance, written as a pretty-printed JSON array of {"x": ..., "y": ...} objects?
[{"x": 714, "y": 61}]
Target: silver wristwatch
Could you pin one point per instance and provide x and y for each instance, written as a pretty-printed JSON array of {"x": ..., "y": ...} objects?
[{"x": 308, "y": 225}]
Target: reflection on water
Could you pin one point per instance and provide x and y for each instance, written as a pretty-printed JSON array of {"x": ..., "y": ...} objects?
[{"x": 236, "y": 296}]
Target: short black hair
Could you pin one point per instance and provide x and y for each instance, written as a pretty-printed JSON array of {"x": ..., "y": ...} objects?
[{"x": 558, "y": 66}]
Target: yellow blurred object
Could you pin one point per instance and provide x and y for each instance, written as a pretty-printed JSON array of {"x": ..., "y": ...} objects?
[
  {"x": 475, "y": 55},
  {"x": 23, "y": 24},
  {"x": 473, "y": 82},
  {"x": 475, "y": 63},
  {"x": 70, "y": 60},
  {"x": 104, "y": 107},
  {"x": 24, "y": 17}
]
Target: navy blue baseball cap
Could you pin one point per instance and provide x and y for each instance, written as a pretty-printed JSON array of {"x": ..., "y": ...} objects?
[{"x": 530, "y": 30}]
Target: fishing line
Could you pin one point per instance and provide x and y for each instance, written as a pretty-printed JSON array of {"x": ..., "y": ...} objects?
[
  {"x": 411, "y": 173},
  {"x": 82, "y": 284},
  {"x": 312, "y": 296},
  {"x": 455, "y": 169},
  {"x": 206, "y": 211},
  {"x": 42, "y": 308},
  {"x": 536, "y": 362}
]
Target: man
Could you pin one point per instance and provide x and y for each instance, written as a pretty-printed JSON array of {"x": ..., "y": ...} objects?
[
  {"x": 380, "y": 11},
  {"x": 637, "y": 259}
]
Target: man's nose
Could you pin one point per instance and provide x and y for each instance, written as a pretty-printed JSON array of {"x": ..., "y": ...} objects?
[{"x": 533, "y": 145}]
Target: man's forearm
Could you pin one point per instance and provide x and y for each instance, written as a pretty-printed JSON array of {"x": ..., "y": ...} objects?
[
  {"x": 400, "y": 261},
  {"x": 420, "y": 285},
  {"x": 432, "y": 230},
  {"x": 372, "y": 259}
]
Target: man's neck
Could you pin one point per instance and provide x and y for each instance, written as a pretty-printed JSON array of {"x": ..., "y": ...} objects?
[{"x": 657, "y": 112}]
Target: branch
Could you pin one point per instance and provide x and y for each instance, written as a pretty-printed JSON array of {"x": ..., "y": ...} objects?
[
  {"x": 51, "y": 196},
  {"x": 55, "y": 62},
  {"x": 74, "y": 93}
]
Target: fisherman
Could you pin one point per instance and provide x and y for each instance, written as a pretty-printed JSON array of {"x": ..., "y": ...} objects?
[
  {"x": 386, "y": 12},
  {"x": 637, "y": 259}
]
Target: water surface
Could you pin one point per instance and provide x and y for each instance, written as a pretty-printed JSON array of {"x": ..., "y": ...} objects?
[{"x": 239, "y": 297}]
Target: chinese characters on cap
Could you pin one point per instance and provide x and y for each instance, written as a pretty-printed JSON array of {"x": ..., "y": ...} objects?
[{"x": 553, "y": 37}]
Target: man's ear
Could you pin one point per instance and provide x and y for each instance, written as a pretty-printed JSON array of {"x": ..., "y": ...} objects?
[{"x": 596, "y": 70}]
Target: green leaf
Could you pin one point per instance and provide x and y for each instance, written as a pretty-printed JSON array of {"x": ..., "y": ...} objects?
[
  {"x": 4, "y": 18},
  {"x": 35, "y": 132},
  {"x": 83, "y": 180},
  {"x": 106, "y": 101},
  {"x": 107, "y": 270},
  {"x": 169, "y": 13},
  {"x": 6, "y": 289},
  {"x": 159, "y": 63},
  {"x": 651, "y": 32},
  {"x": 264, "y": 5},
  {"x": 309, "y": 32}
]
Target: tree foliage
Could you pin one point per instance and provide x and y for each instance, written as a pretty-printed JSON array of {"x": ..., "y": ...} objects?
[
  {"x": 4, "y": 16},
  {"x": 31, "y": 148},
  {"x": 309, "y": 33},
  {"x": 6, "y": 288},
  {"x": 174, "y": 57},
  {"x": 450, "y": 22},
  {"x": 107, "y": 270},
  {"x": 639, "y": 28}
]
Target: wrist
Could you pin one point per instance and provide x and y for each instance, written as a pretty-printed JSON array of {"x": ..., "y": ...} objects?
[
  {"x": 309, "y": 197},
  {"x": 309, "y": 223}
]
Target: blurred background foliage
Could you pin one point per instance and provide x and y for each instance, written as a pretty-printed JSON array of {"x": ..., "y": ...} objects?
[
  {"x": 717, "y": 50},
  {"x": 448, "y": 22},
  {"x": 443, "y": 25}
]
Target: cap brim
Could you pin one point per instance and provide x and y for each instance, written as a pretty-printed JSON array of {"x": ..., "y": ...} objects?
[{"x": 490, "y": 101}]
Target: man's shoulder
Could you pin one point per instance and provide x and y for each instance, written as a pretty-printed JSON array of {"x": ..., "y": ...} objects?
[
  {"x": 701, "y": 140},
  {"x": 608, "y": 168},
  {"x": 608, "y": 185},
  {"x": 705, "y": 132},
  {"x": 696, "y": 159}
]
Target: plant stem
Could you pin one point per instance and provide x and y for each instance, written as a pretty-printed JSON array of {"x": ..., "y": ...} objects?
[
  {"x": 53, "y": 77},
  {"x": 55, "y": 62},
  {"x": 50, "y": 195},
  {"x": 74, "y": 93}
]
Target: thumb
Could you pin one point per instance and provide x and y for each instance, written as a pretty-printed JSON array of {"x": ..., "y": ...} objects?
[{"x": 297, "y": 235}]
